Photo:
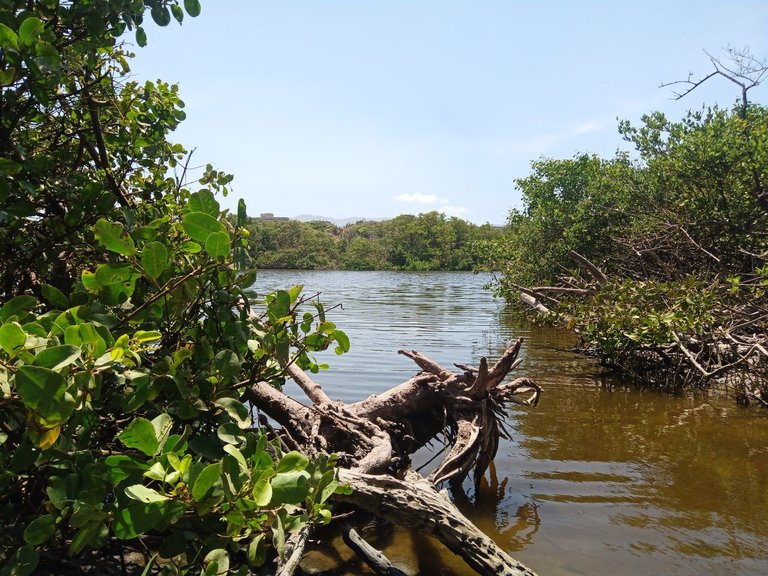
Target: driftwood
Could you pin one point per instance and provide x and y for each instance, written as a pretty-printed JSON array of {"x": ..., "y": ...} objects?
[
  {"x": 376, "y": 561},
  {"x": 376, "y": 437}
]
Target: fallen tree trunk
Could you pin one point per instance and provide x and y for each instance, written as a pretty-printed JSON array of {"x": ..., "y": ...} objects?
[{"x": 376, "y": 437}]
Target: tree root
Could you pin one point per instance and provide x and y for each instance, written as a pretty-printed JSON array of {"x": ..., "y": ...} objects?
[{"x": 376, "y": 437}]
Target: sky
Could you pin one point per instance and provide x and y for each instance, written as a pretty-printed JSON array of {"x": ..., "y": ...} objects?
[{"x": 374, "y": 108}]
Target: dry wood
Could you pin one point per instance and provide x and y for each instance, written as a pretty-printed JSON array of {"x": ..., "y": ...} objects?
[
  {"x": 313, "y": 390},
  {"x": 415, "y": 502},
  {"x": 593, "y": 270},
  {"x": 376, "y": 437},
  {"x": 375, "y": 559},
  {"x": 294, "y": 548},
  {"x": 535, "y": 304}
]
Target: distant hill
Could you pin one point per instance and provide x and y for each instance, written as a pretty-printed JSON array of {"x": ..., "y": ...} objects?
[{"x": 340, "y": 222}]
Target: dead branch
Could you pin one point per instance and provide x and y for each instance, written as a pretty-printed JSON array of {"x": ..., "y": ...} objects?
[
  {"x": 593, "y": 270},
  {"x": 313, "y": 390},
  {"x": 295, "y": 545},
  {"x": 375, "y": 438},
  {"x": 535, "y": 304},
  {"x": 746, "y": 71},
  {"x": 375, "y": 559},
  {"x": 426, "y": 364},
  {"x": 415, "y": 502}
]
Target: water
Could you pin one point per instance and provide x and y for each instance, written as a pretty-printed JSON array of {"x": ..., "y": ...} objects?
[{"x": 599, "y": 478}]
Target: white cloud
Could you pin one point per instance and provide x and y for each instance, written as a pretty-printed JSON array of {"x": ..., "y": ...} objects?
[{"x": 419, "y": 198}]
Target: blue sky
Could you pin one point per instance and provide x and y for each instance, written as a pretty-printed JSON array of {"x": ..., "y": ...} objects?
[{"x": 375, "y": 108}]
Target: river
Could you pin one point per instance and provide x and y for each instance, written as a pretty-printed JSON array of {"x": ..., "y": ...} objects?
[{"x": 599, "y": 478}]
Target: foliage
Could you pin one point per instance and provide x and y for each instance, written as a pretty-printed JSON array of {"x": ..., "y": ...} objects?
[
  {"x": 128, "y": 331},
  {"x": 681, "y": 234},
  {"x": 574, "y": 204},
  {"x": 429, "y": 241}
]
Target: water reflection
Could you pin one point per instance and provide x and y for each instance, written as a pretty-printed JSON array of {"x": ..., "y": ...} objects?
[{"x": 599, "y": 478}]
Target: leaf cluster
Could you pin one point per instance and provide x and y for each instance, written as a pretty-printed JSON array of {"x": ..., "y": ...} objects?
[{"x": 129, "y": 326}]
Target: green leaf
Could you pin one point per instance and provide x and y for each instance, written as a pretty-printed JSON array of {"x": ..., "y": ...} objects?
[
  {"x": 143, "y": 494},
  {"x": 160, "y": 15},
  {"x": 204, "y": 201},
  {"x": 121, "y": 467},
  {"x": 177, "y": 12},
  {"x": 206, "y": 482},
  {"x": 15, "y": 305},
  {"x": 8, "y": 38},
  {"x": 10, "y": 168},
  {"x": 89, "y": 281},
  {"x": 112, "y": 236},
  {"x": 89, "y": 337},
  {"x": 199, "y": 225},
  {"x": 242, "y": 213},
  {"x": 29, "y": 31},
  {"x": 262, "y": 489},
  {"x": 218, "y": 245},
  {"x": 290, "y": 487},
  {"x": 192, "y": 7},
  {"x": 55, "y": 296},
  {"x": 236, "y": 410},
  {"x": 343, "y": 342},
  {"x": 141, "y": 36},
  {"x": 48, "y": 58},
  {"x": 230, "y": 433},
  {"x": 162, "y": 425},
  {"x": 228, "y": 365},
  {"x": 89, "y": 534},
  {"x": 56, "y": 357},
  {"x": 137, "y": 518},
  {"x": 40, "y": 529},
  {"x": 44, "y": 392},
  {"x": 22, "y": 562},
  {"x": 232, "y": 476},
  {"x": 292, "y": 462},
  {"x": 278, "y": 534},
  {"x": 109, "y": 274},
  {"x": 191, "y": 247},
  {"x": 326, "y": 486},
  {"x": 12, "y": 337},
  {"x": 140, "y": 434},
  {"x": 216, "y": 563},
  {"x": 154, "y": 258},
  {"x": 257, "y": 551},
  {"x": 7, "y": 77},
  {"x": 147, "y": 335}
]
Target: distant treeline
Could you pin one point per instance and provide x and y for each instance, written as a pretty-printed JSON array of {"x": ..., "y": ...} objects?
[{"x": 430, "y": 241}]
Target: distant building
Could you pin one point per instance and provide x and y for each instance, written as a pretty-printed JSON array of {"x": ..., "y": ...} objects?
[{"x": 271, "y": 216}]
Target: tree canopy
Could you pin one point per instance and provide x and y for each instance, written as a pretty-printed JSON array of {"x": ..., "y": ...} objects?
[
  {"x": 429, "y": 241},
  {"x": 657, "y": 259}
]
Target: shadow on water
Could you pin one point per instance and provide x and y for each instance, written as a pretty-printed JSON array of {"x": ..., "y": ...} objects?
[{"x": 599, "y": 478}]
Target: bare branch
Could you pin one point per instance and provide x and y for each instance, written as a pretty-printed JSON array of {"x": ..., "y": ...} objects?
[
  {"x": 747, "y": 71},
  {"x": 593, "y": 270}
]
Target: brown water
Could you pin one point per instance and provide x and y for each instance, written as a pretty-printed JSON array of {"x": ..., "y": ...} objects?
[{"x": 600, "y": 478}]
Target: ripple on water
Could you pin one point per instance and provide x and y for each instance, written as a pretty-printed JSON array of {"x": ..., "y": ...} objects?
[{"x": 598, "y": 479}]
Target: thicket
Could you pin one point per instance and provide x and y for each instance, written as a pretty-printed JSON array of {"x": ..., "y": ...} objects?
[
  {"x": 656, "y": 258},
  {"x": 430, "y": 241},
  {"x": 127, "y": 330}
]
